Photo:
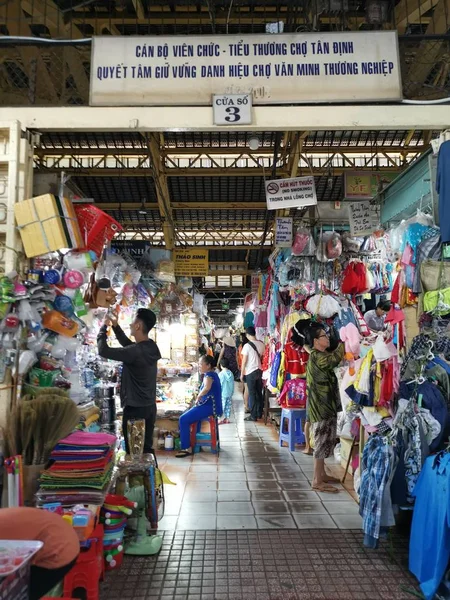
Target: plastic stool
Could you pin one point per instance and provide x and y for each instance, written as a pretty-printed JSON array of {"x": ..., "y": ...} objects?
[
  {"x": 89, "y": 568},
  {"x": 210, "y": 440},
  {"x": 293, "y": 418}
]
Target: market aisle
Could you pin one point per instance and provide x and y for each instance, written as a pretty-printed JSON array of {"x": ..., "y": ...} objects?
[
  {"x": 231, "y": 533},
  {"x": 252, "y": 484}
]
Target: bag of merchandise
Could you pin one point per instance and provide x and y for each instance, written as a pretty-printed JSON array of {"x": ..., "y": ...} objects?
[
  {"x": 293, "y": 394},
  {"x": 323, "y": 306},
  {"x": 351, "y": 244},
  {"x": 323, "y": 240},
  {"x": 334, "y": 246},
  {"x": 301, "y": 240}
]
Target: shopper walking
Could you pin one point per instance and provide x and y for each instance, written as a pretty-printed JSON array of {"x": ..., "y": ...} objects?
[
  {"x": 227, "y": 384},
  {"x": 252, "y": 374},
  {"x": 229, "y": 352},
  {"x": 323, "y": 402},
  {"x": 139, "y": 371},
  {"x": 245, "y": 392},
  {"x": 58, "y": 554},
  {"x": 209, "y": 402}
]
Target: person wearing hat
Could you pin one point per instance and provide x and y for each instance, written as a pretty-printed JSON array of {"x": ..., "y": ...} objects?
[
  {"x": 229, "y": 351},
  {"x": 139, "y": 372}
]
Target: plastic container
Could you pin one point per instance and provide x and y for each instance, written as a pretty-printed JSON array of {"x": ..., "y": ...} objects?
[
  {"x": 97, "y": 228},
  {"x": 14, "y": 580},
  {"x": 169, "y": 442}
]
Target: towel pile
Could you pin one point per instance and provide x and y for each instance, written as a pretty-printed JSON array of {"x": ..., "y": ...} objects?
[{"x": 81, "y": 469}]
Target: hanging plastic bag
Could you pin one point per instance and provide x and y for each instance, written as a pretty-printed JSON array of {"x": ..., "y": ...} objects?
[
  {"x": 321, "y": 253},
  {"x": 334, "y": 246},
  {"x": 323, "y": 306},
  {"x": 301, "y": 241},
  {"x": 351, "y": 244}
]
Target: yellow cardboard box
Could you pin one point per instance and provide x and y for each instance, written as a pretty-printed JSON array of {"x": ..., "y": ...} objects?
[
  {"x": 346, "y": 448},
  {"x": 47, "y": 223}
]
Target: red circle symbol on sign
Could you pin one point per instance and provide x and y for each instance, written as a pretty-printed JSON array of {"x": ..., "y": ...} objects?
[{"x": 272, "y": 188}]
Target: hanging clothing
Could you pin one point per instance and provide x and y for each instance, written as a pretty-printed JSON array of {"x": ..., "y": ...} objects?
[
  {"x": 376, "y": 471},
  {"x": 296, "y": 359},
  {"x": 443, "y": 189},
  {"x": 429, "y": 548}
]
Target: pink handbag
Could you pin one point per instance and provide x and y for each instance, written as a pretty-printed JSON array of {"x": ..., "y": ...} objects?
[{"x": 293, "y": 394}]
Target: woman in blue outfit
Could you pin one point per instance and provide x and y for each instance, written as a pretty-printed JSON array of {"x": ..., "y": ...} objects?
[{"x": 209, "y": 402}]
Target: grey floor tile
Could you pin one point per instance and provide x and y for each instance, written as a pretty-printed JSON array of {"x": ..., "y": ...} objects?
[
  {"x": 234, "y": 496},
  {"x": 235, "y": 508},
  {"x": 342, "y": 496},
  {"x": 200, "y": 496},
  {"x": 236, "y": 522},
  {"x": 291, "y": 476},
  {"x": 301, "y": 496},
  {"x": 225, "y": 476},
  {"x": 260, "y": 496},
  {"x": 275, "y": 522},
  {"x": 168, "y": 523},
  {"x": 271, "y": 508},
  {"x": 266, "y": 486},
  {"x": 232, "y": 486},
  {"x": 198, "y": 508},
  {"x": 311, "y": 508},
  {"x": 199, "y": 477},
  {"x": 264, "y": 476},
  {"x": 292, "y": 486},
  {"x": 196, "y": 468},
  {"x": 348, "y": 521},
  {"x": 314, "y": 522},
  {"x": 193, "y": 523},
  {"x": 342, "y": 508}
]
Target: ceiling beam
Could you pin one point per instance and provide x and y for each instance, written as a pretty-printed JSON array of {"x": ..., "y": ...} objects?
[
  {"x": 225, "y": 151},
  {"x": 162, "y": 190},
  {"x": 407, "y": 13},
  {"x": 205, "y": 172},
  {"x": 127, "y": 206},
  {"x": 429, "y": 50}
]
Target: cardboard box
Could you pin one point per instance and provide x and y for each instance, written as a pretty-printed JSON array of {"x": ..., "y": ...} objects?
[{"x": 47, "y": 223}]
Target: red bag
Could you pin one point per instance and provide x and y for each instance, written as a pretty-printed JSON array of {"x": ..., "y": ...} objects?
[{"x": 293, "y": 394}]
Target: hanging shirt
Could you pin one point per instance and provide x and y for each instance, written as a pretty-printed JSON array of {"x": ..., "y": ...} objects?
[
  {"x": 429, "y": 549},
  {"x": 443, "y": 189}
]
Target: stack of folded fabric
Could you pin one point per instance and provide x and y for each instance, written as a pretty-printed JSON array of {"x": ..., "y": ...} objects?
[{"x": 81, "y": 469}]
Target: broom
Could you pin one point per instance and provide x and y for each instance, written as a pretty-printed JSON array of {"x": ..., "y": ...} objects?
[{"x": 57, "y": 417}]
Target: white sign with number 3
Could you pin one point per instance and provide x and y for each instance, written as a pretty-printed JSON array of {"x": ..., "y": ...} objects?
[{"x": 232, "y": 109}]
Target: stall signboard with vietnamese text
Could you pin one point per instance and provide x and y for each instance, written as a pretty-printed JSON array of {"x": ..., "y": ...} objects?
[
  {"x": 291, "y": 193},
  {"x": 366, "y": 185},
  {"x": 191, "y": 263},
  {"x": 283, "y": 232},
  {"x": 295, "y": 68},
  {"x": 364, "y": 218}
]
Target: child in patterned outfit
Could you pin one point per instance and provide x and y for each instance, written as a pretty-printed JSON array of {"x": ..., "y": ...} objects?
[{"x": 227, "y": 382}]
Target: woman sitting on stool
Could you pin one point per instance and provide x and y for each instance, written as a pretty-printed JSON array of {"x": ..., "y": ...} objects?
[{"x": 209, "y": 402}]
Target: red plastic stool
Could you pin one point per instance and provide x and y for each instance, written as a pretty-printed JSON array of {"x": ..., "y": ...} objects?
[
  {"x": 89, "y": 569},
  {"x": 210, "y": 440}
]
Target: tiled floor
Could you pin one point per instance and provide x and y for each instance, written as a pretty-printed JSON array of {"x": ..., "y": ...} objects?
[
  {"x": 264, "y": 565},
  {"x": 247, "y": 526},
  {"x": 252, "y": 484}
]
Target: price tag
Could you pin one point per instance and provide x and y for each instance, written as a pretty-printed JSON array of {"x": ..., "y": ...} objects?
[{"x": 232, "y": 109}]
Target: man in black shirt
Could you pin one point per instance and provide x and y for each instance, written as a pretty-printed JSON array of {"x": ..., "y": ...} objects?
[{"x": 139, "y": 372}]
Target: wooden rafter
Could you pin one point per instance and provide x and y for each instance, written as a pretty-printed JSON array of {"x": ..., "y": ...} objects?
[{"x": 162, "y": 189}]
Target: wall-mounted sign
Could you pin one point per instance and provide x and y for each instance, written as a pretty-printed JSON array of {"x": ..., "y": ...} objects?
[
  {"x": 291, "y": 193},
  {"x": 191, "y": 263},
  {"x": 364, "y": 218},
  {"x": 366, "y": 185},
  {"x": 283, "y": 231},
  {"x": 287, "y": 68},
  {"x": 232, "y": 109}
]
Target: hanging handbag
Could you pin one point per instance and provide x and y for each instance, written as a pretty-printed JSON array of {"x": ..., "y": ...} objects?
[
  {"x": 438, "y": 301},
  {"x": 293, "y": 394}
]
